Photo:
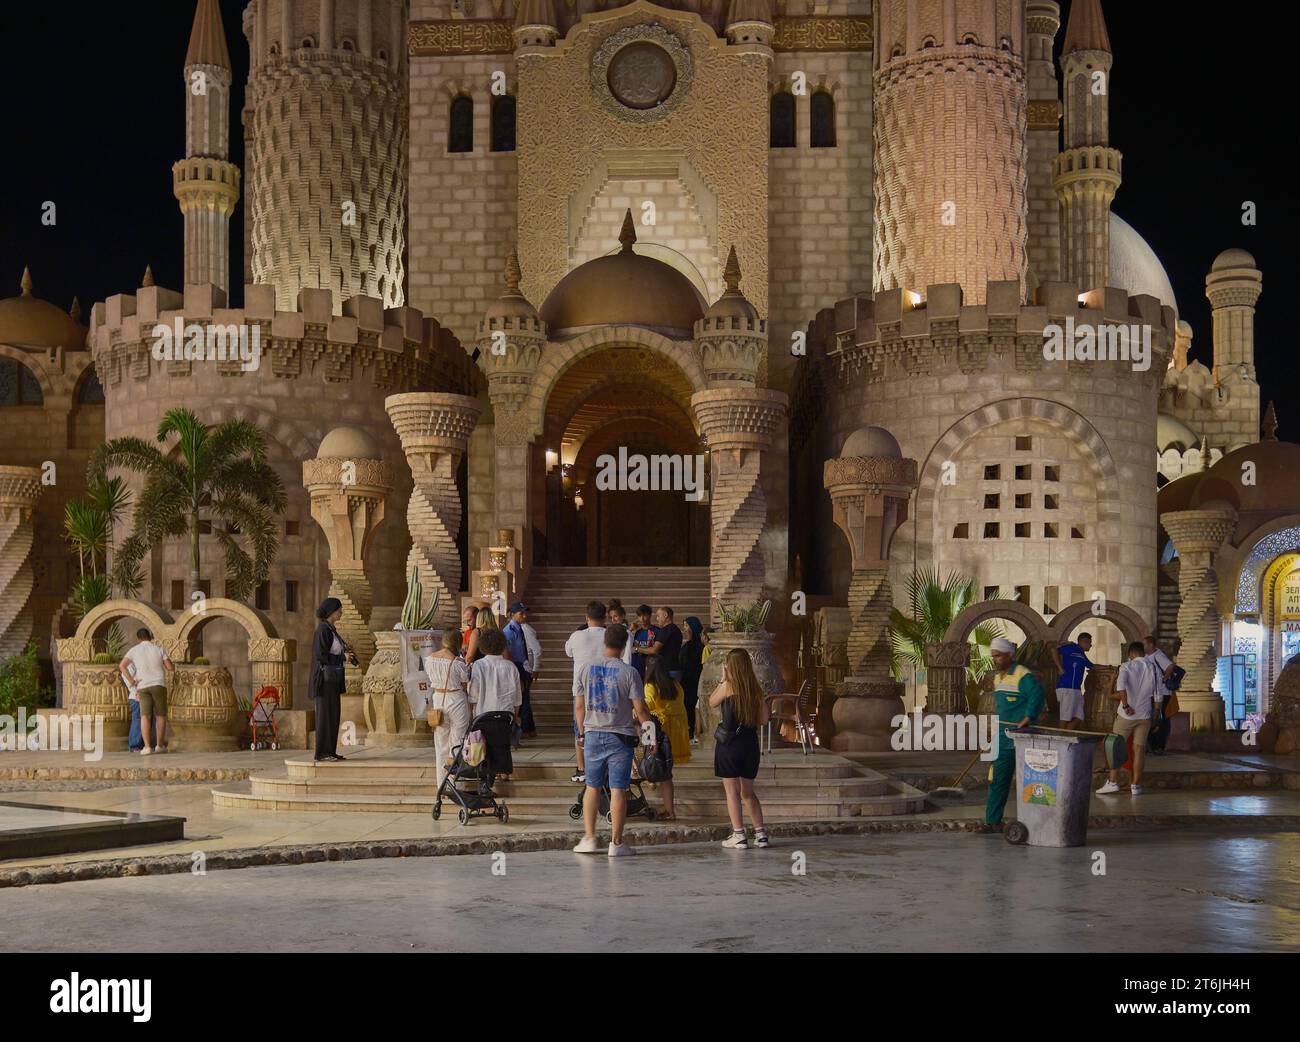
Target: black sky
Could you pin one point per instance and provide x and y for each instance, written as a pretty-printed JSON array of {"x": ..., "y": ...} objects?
[{"x": 95, "y": 119}]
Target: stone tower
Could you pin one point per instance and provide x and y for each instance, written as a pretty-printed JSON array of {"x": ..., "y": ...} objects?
[
  {"x": 328, "y": 157},
  {"x": 1233, "y": 287},
  {"x": 206, "y": 184},
  {"x": 950, "y": 134},
  {"x": 1042, "y": 23},
  {"x": 1088, "y": 172}
]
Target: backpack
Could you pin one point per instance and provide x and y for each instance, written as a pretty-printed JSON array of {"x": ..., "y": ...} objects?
[
  {"x": 1175, "y": 678},
  {"x": 657, "y": 759}
]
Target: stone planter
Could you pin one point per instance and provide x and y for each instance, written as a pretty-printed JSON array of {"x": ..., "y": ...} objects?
[
  {"x": 98, "y": 691},
  {"x": 388, "y": 715},
  {"x": 759, "y": 646},
  {"x": 864, "y": 711},
  {"x": 202, "y": 711}
]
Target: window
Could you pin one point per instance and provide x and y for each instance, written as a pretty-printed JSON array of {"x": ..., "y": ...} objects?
[
  {"x": 205, "y": 528},
  {"x": 460, "y": 127},
  {"x": 821, "y": 123},
  {"x": 1076, "y": 533},
  {"x": 262, "y": 597},
  {"x": 1051, "y": 531},
  {"x": 290, "y": 595},
  {"x": 993, "y": 473},
  {"x": 991, "y": 593},
  {"x": 992, "y": 530},
  {"x": 781, "y": 120},
  {"x": 1051, "y": 600},
  {"x": 1052, "y": 502},
  {"x": 503, "y": 124},
  {"x": 962, "y": 531},
  {"x": 1051, "y": 473},
  {"x": 1022, "y": 594},
  {"x": 233, "y": 529},
  {"x": 18, "y": 384},
  {"x": 91, "y": 391},
  {"x": 1024, "y": 500},
  {"x": 1024, "y": 473},
  {"x": 1022, "y": 530},
  {"x": 292, "y": 528},
  {"x": 992, "y": 501},
  {"x": 178, "y": 594},
  {"x": 1024, "y": 444}
]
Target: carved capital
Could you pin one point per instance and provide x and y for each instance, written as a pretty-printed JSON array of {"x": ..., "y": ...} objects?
[{"x": 739, "y": 418}]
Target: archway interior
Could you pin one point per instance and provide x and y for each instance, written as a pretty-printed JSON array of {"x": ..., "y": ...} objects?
[{"x": 604, "y": 411}]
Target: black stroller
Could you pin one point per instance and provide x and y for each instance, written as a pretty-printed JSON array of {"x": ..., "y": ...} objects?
[
  {"x": 638, "y": 805},
  {"x": 470, "y": 788}
]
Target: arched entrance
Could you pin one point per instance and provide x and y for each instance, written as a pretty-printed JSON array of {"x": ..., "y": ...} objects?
[{"x": 625, "y": 471}]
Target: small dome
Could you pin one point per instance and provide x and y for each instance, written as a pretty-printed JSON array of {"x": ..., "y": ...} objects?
[
  {"x": 732, "y": 303},
  {"x": 512, "y": 306},
  {"x": 1171, "y": 432},
  {"x": 1233, "y": 259},
  {"x": 871, "y": 441},
  {"x": 1134, "y": 265},
  {"x": 26, "y": 321},
  {"x": 1277, "y": 478},
  {"x": 624, "y": 288},
  {"x": 348, "y": 443}
]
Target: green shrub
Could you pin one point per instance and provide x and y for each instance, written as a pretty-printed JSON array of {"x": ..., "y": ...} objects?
[
  {"x": 103, "y": 658},
  {"x": 201, "y": 661},
  {"x": 20, "y": 677}
]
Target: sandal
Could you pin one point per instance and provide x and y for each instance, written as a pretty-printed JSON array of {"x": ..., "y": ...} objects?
[{"x": 985, "y": 828}]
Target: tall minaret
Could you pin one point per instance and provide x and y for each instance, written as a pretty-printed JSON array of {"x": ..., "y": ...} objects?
[
  {"x": 1087, "y": 174},
  {"x": 950, "y": 119},
  {"x": 1043, "y": 22},
  {"x": 205, "y": 182}
]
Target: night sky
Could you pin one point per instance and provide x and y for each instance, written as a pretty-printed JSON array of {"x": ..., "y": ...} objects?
[{"x": 95, "y": 118}]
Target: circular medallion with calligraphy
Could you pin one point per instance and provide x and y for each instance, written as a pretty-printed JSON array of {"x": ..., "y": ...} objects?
[{"x": 641, "y": 73}]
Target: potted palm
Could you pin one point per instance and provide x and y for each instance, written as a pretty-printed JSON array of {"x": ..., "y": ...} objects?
[{"x": 742, "y": 627}]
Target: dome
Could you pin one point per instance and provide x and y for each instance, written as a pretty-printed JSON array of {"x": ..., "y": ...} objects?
[
  {"x": 1277, "y": 478},
  {"x": 512, "y": 307},
  {"x": 624, "y": 288},
  {"x": 348, "y": 443},
  {"x": 1233, "y": 259},
  {"x": 28, "y": 322},
  {"x": 1171, "y": 432},
  {"x": 732, "y": 303},
  {"x": 1134, "y": 265},
  {"x": 871, "y": 441}
]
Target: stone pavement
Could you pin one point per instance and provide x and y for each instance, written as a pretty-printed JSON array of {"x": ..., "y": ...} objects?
[{"x": 1186, "y": 891}]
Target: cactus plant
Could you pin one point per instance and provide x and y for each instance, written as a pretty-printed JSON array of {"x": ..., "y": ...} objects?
[
  {"x": 413, "y": 615},
  {"x": 744, "y": 620}
]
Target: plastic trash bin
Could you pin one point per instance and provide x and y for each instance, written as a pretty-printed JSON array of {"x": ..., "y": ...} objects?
[{"x": 1053, "y": 788}]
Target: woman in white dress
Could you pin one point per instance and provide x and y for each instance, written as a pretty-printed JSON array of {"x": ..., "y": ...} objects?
[{"x": 449, "y": 681}]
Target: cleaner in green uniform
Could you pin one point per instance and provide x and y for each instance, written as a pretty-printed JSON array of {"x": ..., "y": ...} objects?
[{"x": 1020, "y": 700}]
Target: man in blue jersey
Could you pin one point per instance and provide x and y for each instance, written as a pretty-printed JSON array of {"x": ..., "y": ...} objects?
[{"x": 1071, "y": 660}]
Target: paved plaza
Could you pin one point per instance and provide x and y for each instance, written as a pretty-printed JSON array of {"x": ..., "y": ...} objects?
[{"x": 1195, "y": 891}]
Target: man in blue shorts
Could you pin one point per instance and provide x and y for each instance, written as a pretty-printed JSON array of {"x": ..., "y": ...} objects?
[
  {"x": 1071, "y": 660},
  {"x": 607, "y": 701}
]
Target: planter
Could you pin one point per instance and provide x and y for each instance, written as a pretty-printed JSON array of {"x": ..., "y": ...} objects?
[
  {"x": 98, "y": 691},
  {"x": 864, "y": 712},
  {"x": 388, "y": 714},
  {"x": 759, "y": 646},
  {"x": 202, "y": 712}
]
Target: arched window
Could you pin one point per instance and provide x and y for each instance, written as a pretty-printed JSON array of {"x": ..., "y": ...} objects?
[
  {"x": 91, "y": 391},
  {"x": 460, "y": 128},
  {"x": 821, "y": 125},
  {"x": 782, "y": 120},
  {"x": 18, "y": 384},
  {"x": 503, "y": 123}
]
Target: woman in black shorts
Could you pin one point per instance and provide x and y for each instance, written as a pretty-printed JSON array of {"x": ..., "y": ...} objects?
[{"x": 735, "y": 754}]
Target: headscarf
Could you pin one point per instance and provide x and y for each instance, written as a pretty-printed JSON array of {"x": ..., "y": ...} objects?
[
  {"x": 696, "y": 627},
  {"x": 1003, "y": 645},
  {"x": 328, "y": 607}
]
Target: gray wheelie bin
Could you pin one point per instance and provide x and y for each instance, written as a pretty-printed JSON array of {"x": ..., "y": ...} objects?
[{"x": 1053, "y": 787}]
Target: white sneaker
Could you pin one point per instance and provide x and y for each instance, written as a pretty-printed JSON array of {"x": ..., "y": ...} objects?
[
  {"x": 1135, "y": 790},
  {"x": 587, "y": 845},
  {"x": 1108, "y": 788},
  {"x": 160, "y": 748},
  {"x": 146, "y": 751},
  {"x": 695, "y": 741},
  {"x": 621, "y": 850},
  {"x": 736, "y": 841}
]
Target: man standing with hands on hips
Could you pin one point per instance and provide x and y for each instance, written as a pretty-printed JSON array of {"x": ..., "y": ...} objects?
[{"x": 1019, "y": 698}]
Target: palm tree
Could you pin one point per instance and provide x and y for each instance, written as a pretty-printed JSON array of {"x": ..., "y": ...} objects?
[
  {"x": 88, "y": 525},
  {"x": 934, "y": 603},
  {"x": 220, "y": 472}
]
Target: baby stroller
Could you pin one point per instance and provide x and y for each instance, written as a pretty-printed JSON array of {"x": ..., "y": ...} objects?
[
  {"x": 470, "y": 788},
  {"x": 261, "y": 716},
  {"x": 638, "y": 805}
]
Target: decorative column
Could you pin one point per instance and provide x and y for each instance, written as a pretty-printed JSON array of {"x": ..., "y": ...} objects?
[
  {"x": 272, "y": 661},
  {"x": 20, "y": 487},
  {"x": 738, "y": 423},
  {"x": 945, "y": 677},
  {"x": 434, "y": 430},
  {"x": 348, "y": 502},
  {"x": 1198, "y": 536},
  {"x": 870, "y": 495}
]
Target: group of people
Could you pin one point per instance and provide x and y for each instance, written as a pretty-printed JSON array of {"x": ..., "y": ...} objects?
[
  {"x": 625, "y": 678},
  {"x": 1145, "y": 690}
]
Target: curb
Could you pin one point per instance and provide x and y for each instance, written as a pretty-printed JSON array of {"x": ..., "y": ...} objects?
[
  {"x": 129, "y": 774},
  {"x": 257, "y": 857}
]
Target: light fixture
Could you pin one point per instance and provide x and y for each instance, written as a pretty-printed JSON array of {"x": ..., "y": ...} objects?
[{"x": 552, "y": 458}]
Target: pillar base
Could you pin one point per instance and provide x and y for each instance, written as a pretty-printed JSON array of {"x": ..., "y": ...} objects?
[
  {"x": 863, "y": 714},
  {"x": 1205, "y": 710}
]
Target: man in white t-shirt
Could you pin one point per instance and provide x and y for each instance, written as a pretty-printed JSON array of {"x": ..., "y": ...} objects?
[
  {"x": 146, "y": 666},
  {"x": 1164, "y": 666},
  {"x": 1140, "y": 694},
  {"x": 583, "y": 647},
  {"x": 494, "y": 685}
]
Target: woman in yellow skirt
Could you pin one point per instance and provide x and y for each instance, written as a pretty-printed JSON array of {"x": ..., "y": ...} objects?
[{"x": 665, "y": 700}]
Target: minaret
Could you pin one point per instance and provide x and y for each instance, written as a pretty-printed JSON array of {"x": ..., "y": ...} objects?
[
  {"x": 206, "y": 184},
  {"x": 327, "y": 171},
  {"x": 1233, "y": 287},
  {"x": 1087, "y": 174},
  {"x": 1042, "y": 23},
  {"x": 950, "y": 119}
]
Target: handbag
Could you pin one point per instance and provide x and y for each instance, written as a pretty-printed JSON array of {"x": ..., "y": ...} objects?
[
  {"x": 434, "y": 716},
  {"x": 474, "y": 750},
  {"x": 1175, "y": 678}
]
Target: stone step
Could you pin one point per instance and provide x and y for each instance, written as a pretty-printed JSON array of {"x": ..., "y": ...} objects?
[{"x": 775, "y": 768}]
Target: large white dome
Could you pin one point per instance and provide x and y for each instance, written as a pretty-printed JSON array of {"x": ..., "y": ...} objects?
[{"x": 1134, "y": 265}]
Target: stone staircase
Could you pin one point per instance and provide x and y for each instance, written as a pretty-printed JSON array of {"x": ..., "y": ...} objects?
[
  {"x": 790, "y": 785},
  {"x": 557, "y": 602}
]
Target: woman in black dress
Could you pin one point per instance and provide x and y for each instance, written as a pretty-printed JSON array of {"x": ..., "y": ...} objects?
[
  {"x": 691, "y": 659},
  {"x": 325, "y": 681},
  {"x": 735, "y": 756}
]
